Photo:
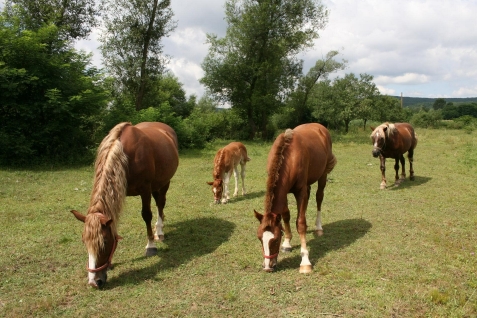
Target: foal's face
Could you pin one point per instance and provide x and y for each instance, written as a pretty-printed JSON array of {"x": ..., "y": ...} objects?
[
  {"x": 269, "y": 233},
  {"x": 378, "y": 138},
  {"x": 217, "y": 189}
]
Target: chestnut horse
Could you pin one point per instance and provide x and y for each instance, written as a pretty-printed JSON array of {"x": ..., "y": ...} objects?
[
  {"x": 298, "y": 158},
  {"x": 393, "y": 141},
  {"x": 131, "y": 161},
  {"x": 227, "y": 160}
]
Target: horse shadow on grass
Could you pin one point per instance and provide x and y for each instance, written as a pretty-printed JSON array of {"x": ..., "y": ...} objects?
[
  {"x": 337, "y": 235},
  {"x": 184, "y": 241},
  {"x": 248, "y": 196},
  {"x": 418, "y": 180}
]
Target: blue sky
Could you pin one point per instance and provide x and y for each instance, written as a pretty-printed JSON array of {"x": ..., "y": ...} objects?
[{"x": 418, "y": 48}]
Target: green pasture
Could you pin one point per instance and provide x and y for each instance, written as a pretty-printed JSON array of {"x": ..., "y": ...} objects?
[{"x": 407, "y": 251}]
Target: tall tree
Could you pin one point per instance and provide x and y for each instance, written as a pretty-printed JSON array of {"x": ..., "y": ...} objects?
[
  {"x": 131, "y": 43},
  {"x": 254, "y": 67},
  {"x": 74, "y": 18}
]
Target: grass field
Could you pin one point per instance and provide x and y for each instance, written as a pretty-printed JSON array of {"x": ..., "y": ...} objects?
[{"x": 406, "y": 251}]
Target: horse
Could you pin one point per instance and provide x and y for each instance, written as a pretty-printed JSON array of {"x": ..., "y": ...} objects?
[
  {"x": 227, "y": 160},
  {"x": 298, "y": 158},
  {"x": 131, "y": 161},
  {"x": 393, "y": 141}
]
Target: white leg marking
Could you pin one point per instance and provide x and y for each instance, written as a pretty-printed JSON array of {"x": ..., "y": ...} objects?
[
  {"x": 318, "y": 222},
  {"x": 159, "y": 226},
  {"x": 304, "y": 257},
  {"x": 286, "y": 243},
  {"x": 226, "y": 193},
  {"x": 267, "y": 236},
  {"x": 150, "y": 244},
  {"x": 236, "y": 181}
]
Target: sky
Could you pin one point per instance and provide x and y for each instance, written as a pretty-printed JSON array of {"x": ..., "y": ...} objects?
[{"x": 415, "y": 48}]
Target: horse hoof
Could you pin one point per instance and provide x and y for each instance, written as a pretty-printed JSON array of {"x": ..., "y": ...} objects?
[
  {"x": 286, "y": 249},
  {"x": 319, "y": 232},
  {"x": 158, "y": 238},
  {"x": 151, "y": 251},
  {"x": 305, "y": 269}
]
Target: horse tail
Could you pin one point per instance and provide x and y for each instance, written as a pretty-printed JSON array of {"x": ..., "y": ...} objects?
[
  {"x": 282, "y": 143},
  {"x": 110, "y": 180}
]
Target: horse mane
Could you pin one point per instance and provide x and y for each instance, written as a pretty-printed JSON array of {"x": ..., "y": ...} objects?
[
  {"x": 218, "y": 163},
  {"x": 389, "y": 132},
  {"x": 273, "y": 174},
  {"x": 109, "y": 188}
]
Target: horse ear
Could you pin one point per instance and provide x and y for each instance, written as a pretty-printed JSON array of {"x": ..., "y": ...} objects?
[
  {"x": 372, "y": 128},
  {"x": 258, "y": 216},
  {"x": 209, "y": 183},
  {"x": 385, "y": 128},
  {"x": 105, "y": 221},
  {"x": 78, "y": 215}
]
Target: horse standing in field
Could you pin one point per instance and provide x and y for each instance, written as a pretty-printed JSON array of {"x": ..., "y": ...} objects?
[
  {"x": 131, "y": 161},
  {"x": 393, "y": 141},
  {"x": 227, "y": 160},
  {"x": 297, "y": 159}
]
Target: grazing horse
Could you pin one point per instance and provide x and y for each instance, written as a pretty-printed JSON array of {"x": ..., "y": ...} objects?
[
  {"x": 131, "y": 161},
  {"x": 298, "y": 158},
  {"x": 393, "y": 141},
  {"x": 227, "y": 160}
]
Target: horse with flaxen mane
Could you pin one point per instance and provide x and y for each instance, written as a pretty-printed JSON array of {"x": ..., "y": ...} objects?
[
  {"x": 227, "y": 160},
  {"x": 131, "y": 160},
  {"x": 298, "y": 158},
  {"x": 393, "y": 141}
]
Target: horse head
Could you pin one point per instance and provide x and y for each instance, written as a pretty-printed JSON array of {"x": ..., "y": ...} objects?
[
  {"x": 378, "y": 137},
  {"x": 217, "y": 189},
  {"x": 269, "y": 234},
  {"x": 100, "y": 243}
]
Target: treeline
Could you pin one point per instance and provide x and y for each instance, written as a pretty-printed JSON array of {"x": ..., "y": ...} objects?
[{"x": 56, "y": 106}]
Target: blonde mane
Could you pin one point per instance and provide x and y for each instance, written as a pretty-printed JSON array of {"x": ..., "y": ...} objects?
[
  {"x": 109, "y": 188},
  {"x": 391, "y": 129},
  {"x": 276, "y": 164}
]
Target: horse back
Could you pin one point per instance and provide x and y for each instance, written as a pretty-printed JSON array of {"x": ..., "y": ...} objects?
[
  {"x": 230, "y": 156},
  {"x": 152, "y": 151}
]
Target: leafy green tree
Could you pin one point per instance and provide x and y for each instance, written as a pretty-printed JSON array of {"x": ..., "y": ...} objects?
[
  {"x": 131, "y": 44},
  {"x": 388, "y": 108},
  {"x": 254, "y": 67},
  {"x": 74, "y": 19},
  {"x": 345, "y": 99},
  {"x": 439, "y": 103},
  {"x": 52, "y": 100},
  {"x": 298, "y": 110}
]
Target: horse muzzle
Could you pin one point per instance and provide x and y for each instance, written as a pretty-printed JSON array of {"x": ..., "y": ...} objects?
[{"x": 376, "y": 152}]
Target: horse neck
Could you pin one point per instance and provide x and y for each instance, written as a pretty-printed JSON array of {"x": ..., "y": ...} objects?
[
  {"x": 110, "y": 183},
  {"x": 219, "y": 165}
]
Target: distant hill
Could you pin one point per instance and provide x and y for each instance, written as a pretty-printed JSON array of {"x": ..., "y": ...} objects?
[{"x": 416, "y": 102}]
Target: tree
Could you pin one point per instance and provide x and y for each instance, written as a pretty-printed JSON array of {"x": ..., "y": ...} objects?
[
  {"x": 255, "y": 66},
  {"x": 439, "y": 103},
  {"x": 52, "y": 99},
  {"x": 74, "y": 19},
  {"x": 345, "y": 99},
  {"x": 131, "y": 44},
  {"x": 300, "y": 111}
]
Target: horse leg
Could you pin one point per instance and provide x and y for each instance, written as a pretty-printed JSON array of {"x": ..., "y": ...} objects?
[
  {"x": 236, "y": 180},
  {"x": 286, "y": 246},
  {"x": 146, "y": 213},
  {"x": 160, "y": 198},
  {"x": 242, "y": 174},
  {"x": 383, "y": 172},
  {"x": 226, "y": 193},
  {"x": 320, "y": 193},
  {"x": 302, "y": 203},
  {"x": 410, "y": 156}
]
